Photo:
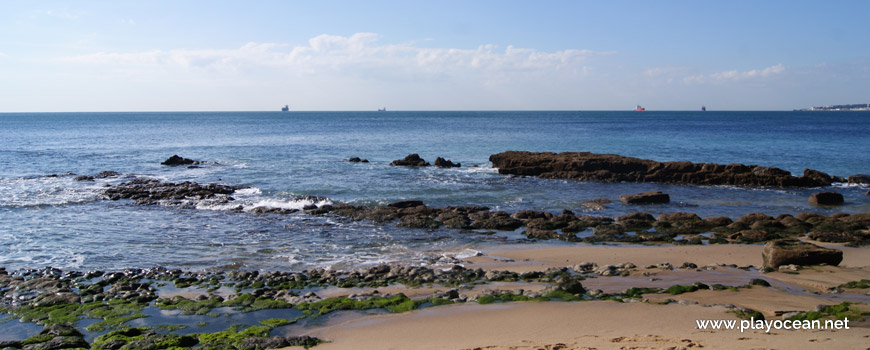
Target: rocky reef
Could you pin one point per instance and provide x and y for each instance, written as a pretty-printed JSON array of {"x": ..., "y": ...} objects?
[
  {"x": 586, "y": 166},
  {"x": 634, "y": 227}
]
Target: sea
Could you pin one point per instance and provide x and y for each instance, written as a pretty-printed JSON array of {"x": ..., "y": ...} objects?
[{"x": 294, "y": 159}]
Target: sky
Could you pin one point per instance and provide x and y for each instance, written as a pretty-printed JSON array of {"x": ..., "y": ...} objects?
[{"x": 69, "y": 56}]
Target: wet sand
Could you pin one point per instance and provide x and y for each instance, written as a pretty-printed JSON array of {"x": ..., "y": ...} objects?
[{"x": 615, "y": 325}]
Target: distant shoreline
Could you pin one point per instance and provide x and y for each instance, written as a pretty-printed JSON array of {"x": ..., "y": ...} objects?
[{"x": 852, "y": 107}]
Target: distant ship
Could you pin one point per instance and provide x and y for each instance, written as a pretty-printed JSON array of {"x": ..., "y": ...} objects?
[
  {"x": 382, "y": 109},
  {"x": 639, "y": 108},
  {"x": 703, "y": 108},
  {"x": 286, "y": 108}
]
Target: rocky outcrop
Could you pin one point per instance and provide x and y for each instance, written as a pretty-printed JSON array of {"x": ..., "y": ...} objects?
[
  {"x": 826, "y": 198},
  {"x": 176, "y": 160},
  {"x": 653, "y": 197},
  {"x": 444, "y": 163},
  {"x": 792, "y": 251},
  {"x": 101, "y": 175},
  {"x": 859, "y": 179},
  {"x": 586, "y": 166},
  {"x": 410, "y": 160},
  {"x": 144, "y": 191},
  {"x": 357, "y": 160}
]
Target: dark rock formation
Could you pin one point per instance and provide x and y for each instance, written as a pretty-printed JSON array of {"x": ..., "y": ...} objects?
[
  {"x": 176, "y": 160},
  {"x": 859, "y": 179},
  {"x": 444, "y": 163},
  {"x": 410, "y": 160},
  {"x": 654, "y": 197},
  {"x": 101, "y": 175},
  {"x": 826, "y": 198},
  {"x": 107, "y": 173},
  {"x": 357, "y": 160},
  {"x": 792, "y": 251},
  {"x": 405, "y": 204},
  {"x": 615, "y": 168},
  {"x": 150, "y": 191}
]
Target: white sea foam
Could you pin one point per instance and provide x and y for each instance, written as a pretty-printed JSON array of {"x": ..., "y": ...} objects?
[
  {"x": 249, "y": 191},
  {"x": 849, "y": 185},
  {"x": 47, "y": 190},
  {"x": 249, "y": 198},
  {"x": 466, "y": 253}
]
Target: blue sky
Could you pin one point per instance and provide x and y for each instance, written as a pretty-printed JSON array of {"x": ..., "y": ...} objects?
[{"x": 432, "y": 55}]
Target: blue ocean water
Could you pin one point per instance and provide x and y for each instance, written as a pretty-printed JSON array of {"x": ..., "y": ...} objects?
[{"x": 54, "y": 220}]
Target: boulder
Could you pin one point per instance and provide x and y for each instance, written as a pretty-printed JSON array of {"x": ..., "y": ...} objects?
[
  {"x": 59, "y": 342},
  {"x": 654, "y": 197},
  {"x": 497, "y": 220},
  {"x": 792, "y": 251},
  {"x": 859, "y": 179},
  {"x": 176, "y": 160},
  {"x": 410, "y": 160},
  {"x": 444, "y": 163},
  {"x": 531, "y": 214},
  {"x": 826, "y": 198},
  {"x": 357, "y": 160}
]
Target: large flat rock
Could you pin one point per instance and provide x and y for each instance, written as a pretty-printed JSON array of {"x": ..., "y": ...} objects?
[{"x": 586, "y": 166}]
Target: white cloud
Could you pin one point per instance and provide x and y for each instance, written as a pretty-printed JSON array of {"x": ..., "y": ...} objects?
[
  {"x": 735, "y": 75},
  {"x": 360, "y": 53}
]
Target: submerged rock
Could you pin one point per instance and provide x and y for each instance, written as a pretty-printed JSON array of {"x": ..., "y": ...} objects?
[
  {"x": 792, "y": 251},
  {"x": 357, "y": 160},
  {"x": 653, "y": 197},
  {"x": 586, "y": 166},
  {"x": 826, "y": 198},
  {"x": 108, "y": 173},
  {"x": 596, "y": 204}
]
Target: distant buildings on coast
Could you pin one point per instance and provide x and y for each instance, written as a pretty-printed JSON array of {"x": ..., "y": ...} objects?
[{"x": 854, "y": 107}]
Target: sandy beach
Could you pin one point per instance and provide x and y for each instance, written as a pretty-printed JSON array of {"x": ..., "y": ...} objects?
[{"x": 645, "y": 324}]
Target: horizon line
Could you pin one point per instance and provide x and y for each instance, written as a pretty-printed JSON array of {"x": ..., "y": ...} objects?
[{"x": 427, "y": 110}]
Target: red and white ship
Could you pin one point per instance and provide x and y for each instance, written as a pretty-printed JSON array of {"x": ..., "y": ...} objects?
[{"x": 639, "y": 108}]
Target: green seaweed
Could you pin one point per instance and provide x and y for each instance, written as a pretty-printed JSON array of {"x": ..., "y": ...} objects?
[
  {"x": 747, "y": 314},
  {"x": 636, "y": 292},
  {"x": 113, "y": 322},
  {"x": 276, "y": 322},
  {"x": 169, "y": 327},
  {"x": 839, "y": 311},
  {"x": 113, "y": 313},
  {"x": 560, "y": 295},
  {"x": 396, "y": 304},
  {"x": 862, "y": 284}
]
